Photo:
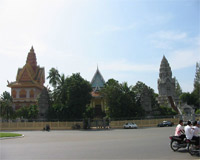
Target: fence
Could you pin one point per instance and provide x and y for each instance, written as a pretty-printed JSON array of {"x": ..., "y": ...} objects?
[
  {"x": 143, "y": 123},
  {"x": 114, "y": 123},
  {"x": 38, "y": 125},
  {"x": 70, "y": 125}
]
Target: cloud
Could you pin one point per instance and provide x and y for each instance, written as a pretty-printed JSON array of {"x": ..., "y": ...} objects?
[
  {"x": 25, "y": 23},
  {"x": 155, "y": 19},
  {"x": 123, "y": 65},
  {"x": 170, "y": 35},
  {"x": 115, "y": 28},
  {"x": 161, "y": 44},
  {"x": 184, "y": 58},
  {"x": 166, "y": 39},
  {"x": 183, "y": 49}
]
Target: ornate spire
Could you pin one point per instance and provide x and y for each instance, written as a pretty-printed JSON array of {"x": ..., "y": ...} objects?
[
  {"x": 165, "y": 69},
  {"x": 97, "y": 80},
  {"x": 32, "y": 50},
  {"x": 166, "y": 84},
  {"x": 31, "y": 59}
]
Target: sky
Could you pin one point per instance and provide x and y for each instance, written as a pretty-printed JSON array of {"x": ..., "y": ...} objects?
[{"x": 126, "y": 39}]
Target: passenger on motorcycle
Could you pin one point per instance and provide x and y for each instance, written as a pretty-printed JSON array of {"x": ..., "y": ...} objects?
[
  {"x": 196, "y": 132},
  {"x": 189, "y": 131},
  {"x": 180, "y": 130}
]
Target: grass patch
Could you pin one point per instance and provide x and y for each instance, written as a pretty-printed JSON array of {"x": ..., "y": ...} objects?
[{"x": 9, "y": 135}]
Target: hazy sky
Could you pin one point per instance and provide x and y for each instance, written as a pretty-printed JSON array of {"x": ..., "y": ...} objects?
[{"x": 125, "y": 38}]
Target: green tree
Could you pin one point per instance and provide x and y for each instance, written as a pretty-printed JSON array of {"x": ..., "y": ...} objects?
[
  {"x": 197, "y": 111},
  {"x": 89, "y": 112},
  {"x": 70, "y": 97},
  {"x": 33, "y": 112},
  {"x": 193, "y": 98},
  {"x": 22, "y": 112},
  {"x": 6, "y": 110},
  {"x": 57, "y": 111},
  {"x": 139, "y": 88},
  {"x": 178, "y": 89},
  {"x": 78, "y": 96},
  {"x": 197, "y": 77},
  {"x": 59, "y": 93},
  {"x": 53, "y": 77},
  {"x": 28, "y": 112},
  {"x": 121, "y": 100},
  {"x": 58, "y": 99},
  {"x": 111, "y": 92},
  {"x": 186, "y": 97},
  {"x": 196, "y": 92},
  {"x": 164, "y": 111},
  {"x": 6, "y": 96}
]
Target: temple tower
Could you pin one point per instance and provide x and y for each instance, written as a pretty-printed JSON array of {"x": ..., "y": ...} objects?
[
  {"x": 98, "y": 101},
  {"x": 166, "y": 84},
  {"x": 29, "y": 83}
]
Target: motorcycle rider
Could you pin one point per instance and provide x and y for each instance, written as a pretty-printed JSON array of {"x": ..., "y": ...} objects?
[
  {"x": 196, "y": 132},
  {"x": 189, "y": 132},
  {"x": 180, "y": 130}
]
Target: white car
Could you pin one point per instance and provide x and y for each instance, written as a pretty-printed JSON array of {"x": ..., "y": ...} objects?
[{"x": 130, "y": 125}]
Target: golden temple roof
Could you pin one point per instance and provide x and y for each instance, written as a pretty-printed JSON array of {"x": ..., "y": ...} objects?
[{"x": 30, "y": 74}]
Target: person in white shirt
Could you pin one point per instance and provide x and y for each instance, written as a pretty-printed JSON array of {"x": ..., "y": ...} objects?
[
  {"x": 180, "y": 130},
  {"x": 196, "y": 132},
  {"x": 189, "y": 131}
]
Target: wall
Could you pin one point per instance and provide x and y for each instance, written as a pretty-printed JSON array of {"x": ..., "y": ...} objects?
[
  {"x": 68, "y": 125},
  {"x": 142, "y": 123},
  {"x": 37, "y": 125}
]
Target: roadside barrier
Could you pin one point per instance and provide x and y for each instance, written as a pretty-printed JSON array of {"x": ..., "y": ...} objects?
[
  {"x": 70, "y": 125},
  {"x": 37, "y": 125}
]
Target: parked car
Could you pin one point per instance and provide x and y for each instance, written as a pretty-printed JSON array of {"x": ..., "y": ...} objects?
[
  {"x": 165, "y": 124},
  {"x": 130, "y": 125}
]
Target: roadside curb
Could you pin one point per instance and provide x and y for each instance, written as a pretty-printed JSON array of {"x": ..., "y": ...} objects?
[{"x": 11, "y": 137}]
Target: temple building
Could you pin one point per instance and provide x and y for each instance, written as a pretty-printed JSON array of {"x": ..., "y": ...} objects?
[
  {"x": 29, "y": 83},
  {"x": 98, "y": 101},
  {"x": 166, "y": 84}
]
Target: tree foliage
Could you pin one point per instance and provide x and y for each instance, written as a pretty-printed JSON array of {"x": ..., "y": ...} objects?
[
  {"x": 196, "y": 91},
  {"x": 120, "y": 100},
  {"x": 139, "y": 88},
  {"x": 78, "y": 95},
  {"x": 6, "y": 110},
  {"x": 197, "y": 111},
  {"x": 53, "y": 77},
  {"x": 28, "y": 112},
  {"x": 178, "y": 89},
  {"x": 193, "y": 98},
  {"x": 197, "y": 77},
  {"x": 70, "y": 96},
  {"x": 166, "y": 111}
]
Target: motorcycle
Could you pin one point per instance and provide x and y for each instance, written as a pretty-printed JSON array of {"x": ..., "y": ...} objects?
[
  {"x": 46, "y": 128},
  {"x": 176, "y": 143},
  {"x": 192, "y": 148}
]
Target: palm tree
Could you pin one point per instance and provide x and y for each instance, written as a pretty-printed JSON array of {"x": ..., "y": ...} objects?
[
  {"x": 59, "y": 92},
  {"x": 54, "y": 77}
]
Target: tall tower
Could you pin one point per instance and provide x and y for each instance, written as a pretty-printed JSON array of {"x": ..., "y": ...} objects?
[
  {"x": 29, "y": 82},
  {"x": 166, "y": 84},
  {"x": 97, "y": 81},
  {"x": 98, "y": 101}
]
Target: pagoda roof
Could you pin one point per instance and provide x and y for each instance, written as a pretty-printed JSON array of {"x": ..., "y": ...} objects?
[
  {"x": 30, "y": 74},
  {"x": 97, "y": 80}
]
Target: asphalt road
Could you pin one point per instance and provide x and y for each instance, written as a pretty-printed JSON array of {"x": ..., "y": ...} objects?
[{"x": 146, "y": 143}]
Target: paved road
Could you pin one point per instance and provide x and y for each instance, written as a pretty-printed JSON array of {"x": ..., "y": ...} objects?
[{"x": 147, "y": 143}]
